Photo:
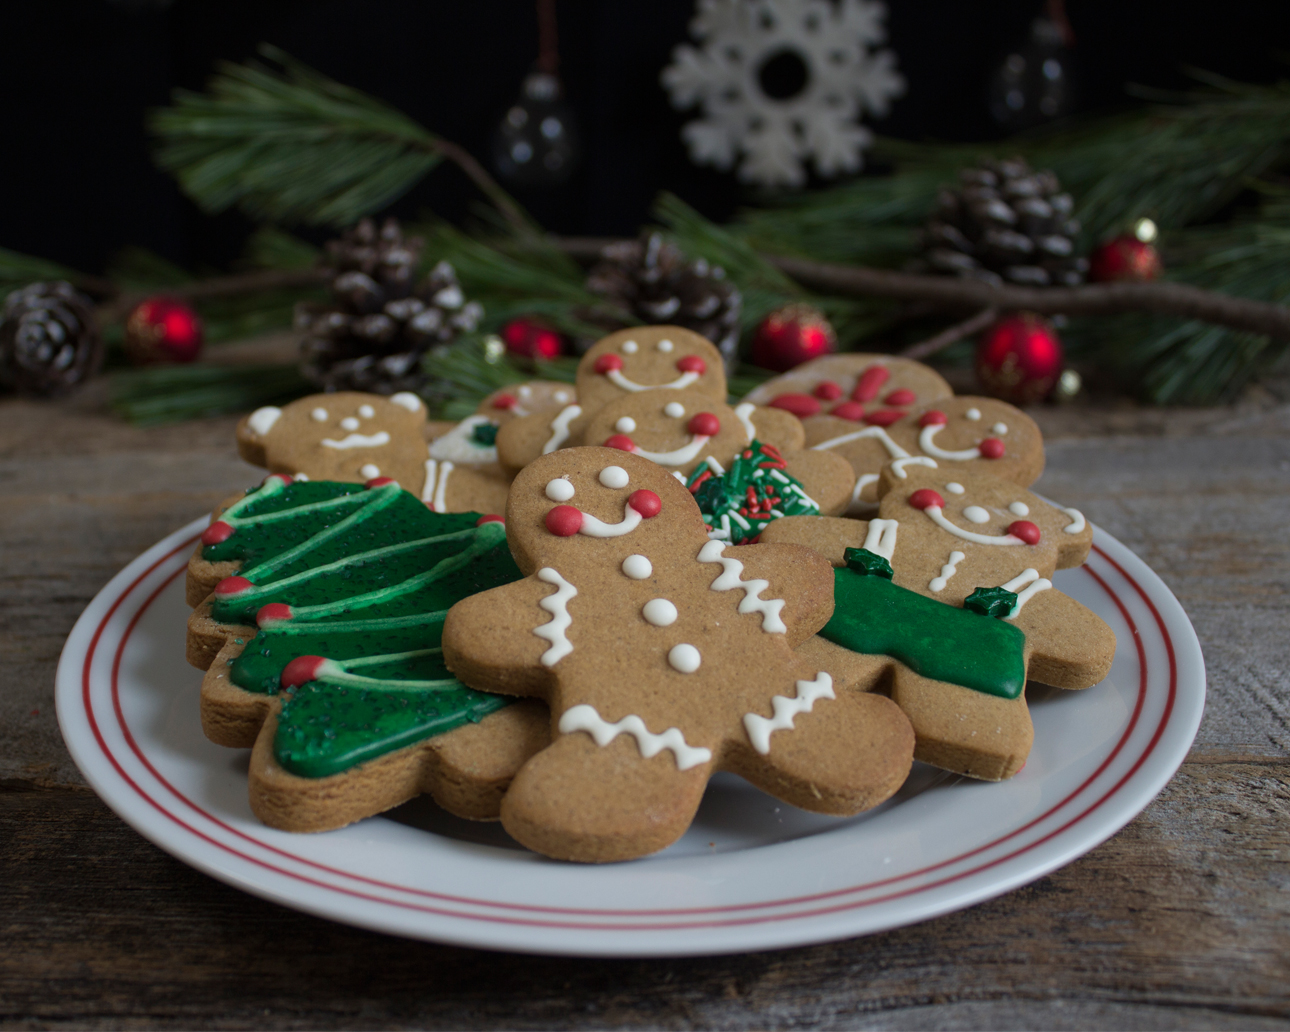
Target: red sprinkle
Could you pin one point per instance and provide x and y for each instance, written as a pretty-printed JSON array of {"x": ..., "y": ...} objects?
[
  {"x": 379, "y": 482},
  {"x": 851, "y": 410},
  {"x": 564, "y": 521},
  {"x": 827, "y": 390},
  {"x": 870, "y": 383},
  {"x": 274, "y": 612},
  {"x": 301, "y": 670},
  {"x": 705, "y": 424},
  {"x": 705, "y": 475},
  {"x": 933, "y": 417},
  {"x": 217, "y": 532},
  {"x": 647, "y": 503},
  {"x": 505, "y": 401},
  {"x": 607, "y": 363},
  {"x": 884, "y": 417},
  {"x": 233, "y": 586},
  {"x": 801, "y": 405},
  {"x": 1025, "y": 530},
  {"x": 490, "y": 518},
  {"x": 925, "y": 498},
  {"x": 620, "y": 441},
  {"x": 691, "y": 364},
  {"x": 991, "y": 448},
  {"x": 901, "y": 396}
]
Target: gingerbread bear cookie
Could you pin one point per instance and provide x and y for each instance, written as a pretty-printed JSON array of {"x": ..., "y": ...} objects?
[
  {"x": 628, "y": 362},
  {"x": 947, "y": 598},
  {"x": 321, "y": 651},
  {"x": 664, "y": 657},
  {"x": 359, "y": 437}
]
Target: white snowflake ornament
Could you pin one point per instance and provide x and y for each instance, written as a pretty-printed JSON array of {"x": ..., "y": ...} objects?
[{"x": 783, "y": 81}]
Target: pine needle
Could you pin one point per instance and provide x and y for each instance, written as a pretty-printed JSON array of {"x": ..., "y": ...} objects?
[{"x": 171, "y": 394}]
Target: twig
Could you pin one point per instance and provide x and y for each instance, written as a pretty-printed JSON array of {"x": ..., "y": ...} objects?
[
  {"x": 218, "y": 286},
  {"x": 489, "y": 186},
  {"x": 948, "y": 336}
]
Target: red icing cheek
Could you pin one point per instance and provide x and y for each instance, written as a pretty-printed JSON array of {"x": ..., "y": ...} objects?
[
  {"x": 925, "y": 498},
  {"x": 705, "y": 424},
  {"x": 490, "y": 518},
  {"x": 379, "y": 482},
  {"x": 506, "y": 401},
  {"x": 827, "y": 391},
  {"x": 933, "y": 418},
  {"x": 991, "y": 448},
  {"x": 901, "y": 396},
  {"x": 608, "y": 363},
  {"x": 801, "y": 405},
  {"x": 883, "y": 417},
  {"x": 216, "y": 533},
  {"x": 1025, "y": 530},
  {"x": 620, "y": 441},
  {"x": 274, "y": 612},
  {"x": 870, "y": 383},
  {"x": 692, "y": 364},
  {"x": 647, "y": 503},
  {"x": 301, "y": 670},
  {"x": 232, "y": 586},
  {"x": 564, "y": 521},
  {"x": 851, "y": 410}
]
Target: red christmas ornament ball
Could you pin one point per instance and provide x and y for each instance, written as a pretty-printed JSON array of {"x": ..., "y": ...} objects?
[
  {"x": 1019, "y": 358},
  {"x": 790, "y": 336},
  {"x": 528, "y": 338},
  {"x": 1126, "y": 259},
  {"x": 163, "y": 329}
]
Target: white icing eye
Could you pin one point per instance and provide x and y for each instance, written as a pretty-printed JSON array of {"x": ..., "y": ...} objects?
[
  {"x": 614, "y": 476},
  {"x": 630, "y": 347},
  {"x": 665, "y": 345},
  {"x": 660, "y": 612},
  {"x": 637, "y": 567},
  {"x": 685, "y": 659},
  {"x": 526, "y": 390},
  {"x": 976, "y": 514},
  {"x": 559, "y": 490},
  {"x": 954, "y": 488},
  {"x": 1019, "y": 509},
  {"x": 1000, "y": 428},
  {"x": 561, "y": 397},
  {"x": 318, "y": 415},
  {"x": 625, "y": 425},
  {"x": 973, "y": 414},
  {"x": 369, "y": 471},
  {"x": 262, "y": 419},
  {"x": 407, "y": 400},
  {"x": 674, "y": 409},
  {"x": 366, "y": 411},
  {"x": 349, "y": 423}
]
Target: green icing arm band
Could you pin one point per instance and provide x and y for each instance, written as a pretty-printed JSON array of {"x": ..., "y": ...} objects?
[{"x": 874, "y": 616}]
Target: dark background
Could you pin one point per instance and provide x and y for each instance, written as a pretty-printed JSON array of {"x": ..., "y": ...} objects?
[{"x": 78, "y": 75}]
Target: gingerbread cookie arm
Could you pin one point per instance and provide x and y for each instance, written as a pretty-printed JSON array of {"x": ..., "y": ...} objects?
[
  {"x": 828, "y": 478},
  {"x": 1069, "y": 645},
  {"x": 522, "y": 440},
  {"x": 791, "y": 575},
  {"x": 491, "y": 640},
  {"x": 851, "y": 671},
  {"x": 829, "y": 536},
  {"x": 775, "y": 427}
]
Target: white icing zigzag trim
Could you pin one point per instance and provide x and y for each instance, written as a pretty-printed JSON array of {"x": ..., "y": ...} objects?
[
  {"x": 1036, "y": 582},
  {"x": 760, "y": 728},
  {"x": 680, "y": 383},
  {"x": 358, "y": 441},
  {"x": 558, "y": 606},
  {"x": 947, "y": 571},
  {"x": 729, "y": 579},
  {"x": 560, "y": 427},
  {"x": 585, "y": 718},
  {"x": 1077, "y": 521},
  {"x": 876, "y": 432},
  {"x": 435, "y": 489},
  {"x": 898, "y": 465},
  {"x": 744, "y": 413}
]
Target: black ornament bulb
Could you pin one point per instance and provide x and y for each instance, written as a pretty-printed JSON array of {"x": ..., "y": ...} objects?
[
  {"x": 536, "y": 144},
  {"x": 1033, "y": 84}
]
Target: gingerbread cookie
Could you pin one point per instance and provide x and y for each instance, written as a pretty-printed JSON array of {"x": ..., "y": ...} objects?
[
  {"x": 322, "y": 653},
  {"x": 947, "y": 599},
  {"x": 628, "y": 362},
  {"x": 534, "y": 398},
  {"x": 855, "y": 382},
  {"x": 359, "y": 437},
  {"x": 664, "y": 657}
]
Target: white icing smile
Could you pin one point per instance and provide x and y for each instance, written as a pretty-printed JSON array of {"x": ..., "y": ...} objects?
[
  {"x": 616, "y": 377},
  {"x": 681, "y": 455},
  {"x": 935, "y": 514},
  {"x": 928, "y": 445},
  {"x": 593, "y": 527},
  {"x": 358, "y": 440}
]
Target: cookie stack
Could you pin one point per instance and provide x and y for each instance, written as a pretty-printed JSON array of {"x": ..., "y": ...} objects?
[{"x": 574, "y": 607}]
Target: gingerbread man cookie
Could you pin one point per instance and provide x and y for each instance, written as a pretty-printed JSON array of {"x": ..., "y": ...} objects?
[
  {"x": 855, "y": 382},
  {"x": 947, "y": 598},
  {"x": 664, "y": 657}
]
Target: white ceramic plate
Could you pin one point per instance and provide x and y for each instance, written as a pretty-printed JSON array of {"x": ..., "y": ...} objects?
[{"x": 751, "y": 874}]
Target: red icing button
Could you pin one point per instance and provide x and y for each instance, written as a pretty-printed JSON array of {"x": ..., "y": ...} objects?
[
  {"x": 901, "y": 396},
  {"x": 647, "y": 503},
  {"x": 691, "y": 364},
  {"x": 870, "y": 383},
  {"x": 991, "y": 448},
  {"x": 851, "y": 410},
  {"x": 300, "y": 670},
  {"x": 379, "y": 482},
  {"x": 505, "y": 401},
  {"x": 233, "y": 586},
  {"x": 883, "y": 417},
  {"x": 933, "y": 418},
  {"x": 490, "y": 518},
  {"x": 620, "y": 441},
  {"x": 564, "y": 521},
  {"x": 705, "y": 424},
  {"x": 274, "y": 612},
  {"x": 216, "y": 532},
  {"x": 607, "y": 363},
  {"x": 925, "y": 498},
  {"x": 801, "y": 405},
  {"x": 1025, "y": 530},
  {"x": 827, "y": 390},
  {"x": 283, "y": 478}
]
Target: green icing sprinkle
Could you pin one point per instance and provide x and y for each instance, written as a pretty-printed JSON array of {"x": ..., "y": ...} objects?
[
  {"x": 739, "y": 502},
  {"x": 875, "y": 616}
]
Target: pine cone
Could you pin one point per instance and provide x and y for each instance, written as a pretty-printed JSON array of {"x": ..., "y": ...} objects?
[
  {"x": 658, "y": 284},
  {"x": 373, "y": 338},
  {"x": 49, "y": 342},
  {"x": 1005, "y": 223}
]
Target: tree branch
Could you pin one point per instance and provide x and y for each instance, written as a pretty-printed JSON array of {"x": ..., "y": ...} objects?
[
  {"x": 948, "y": 336},
  {"x": 489, "y": 186},
  {"x": 218, "y": 286}
]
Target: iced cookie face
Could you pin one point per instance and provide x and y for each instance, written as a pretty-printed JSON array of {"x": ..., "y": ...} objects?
[
  {"x": 647, "y": 358},
  {"x": 536, "y": 397},
  {"x": 855, "y": 384}
]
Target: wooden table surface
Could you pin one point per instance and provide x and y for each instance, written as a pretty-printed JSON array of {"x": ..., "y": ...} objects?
[{"x": 1182, "y": 920}]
